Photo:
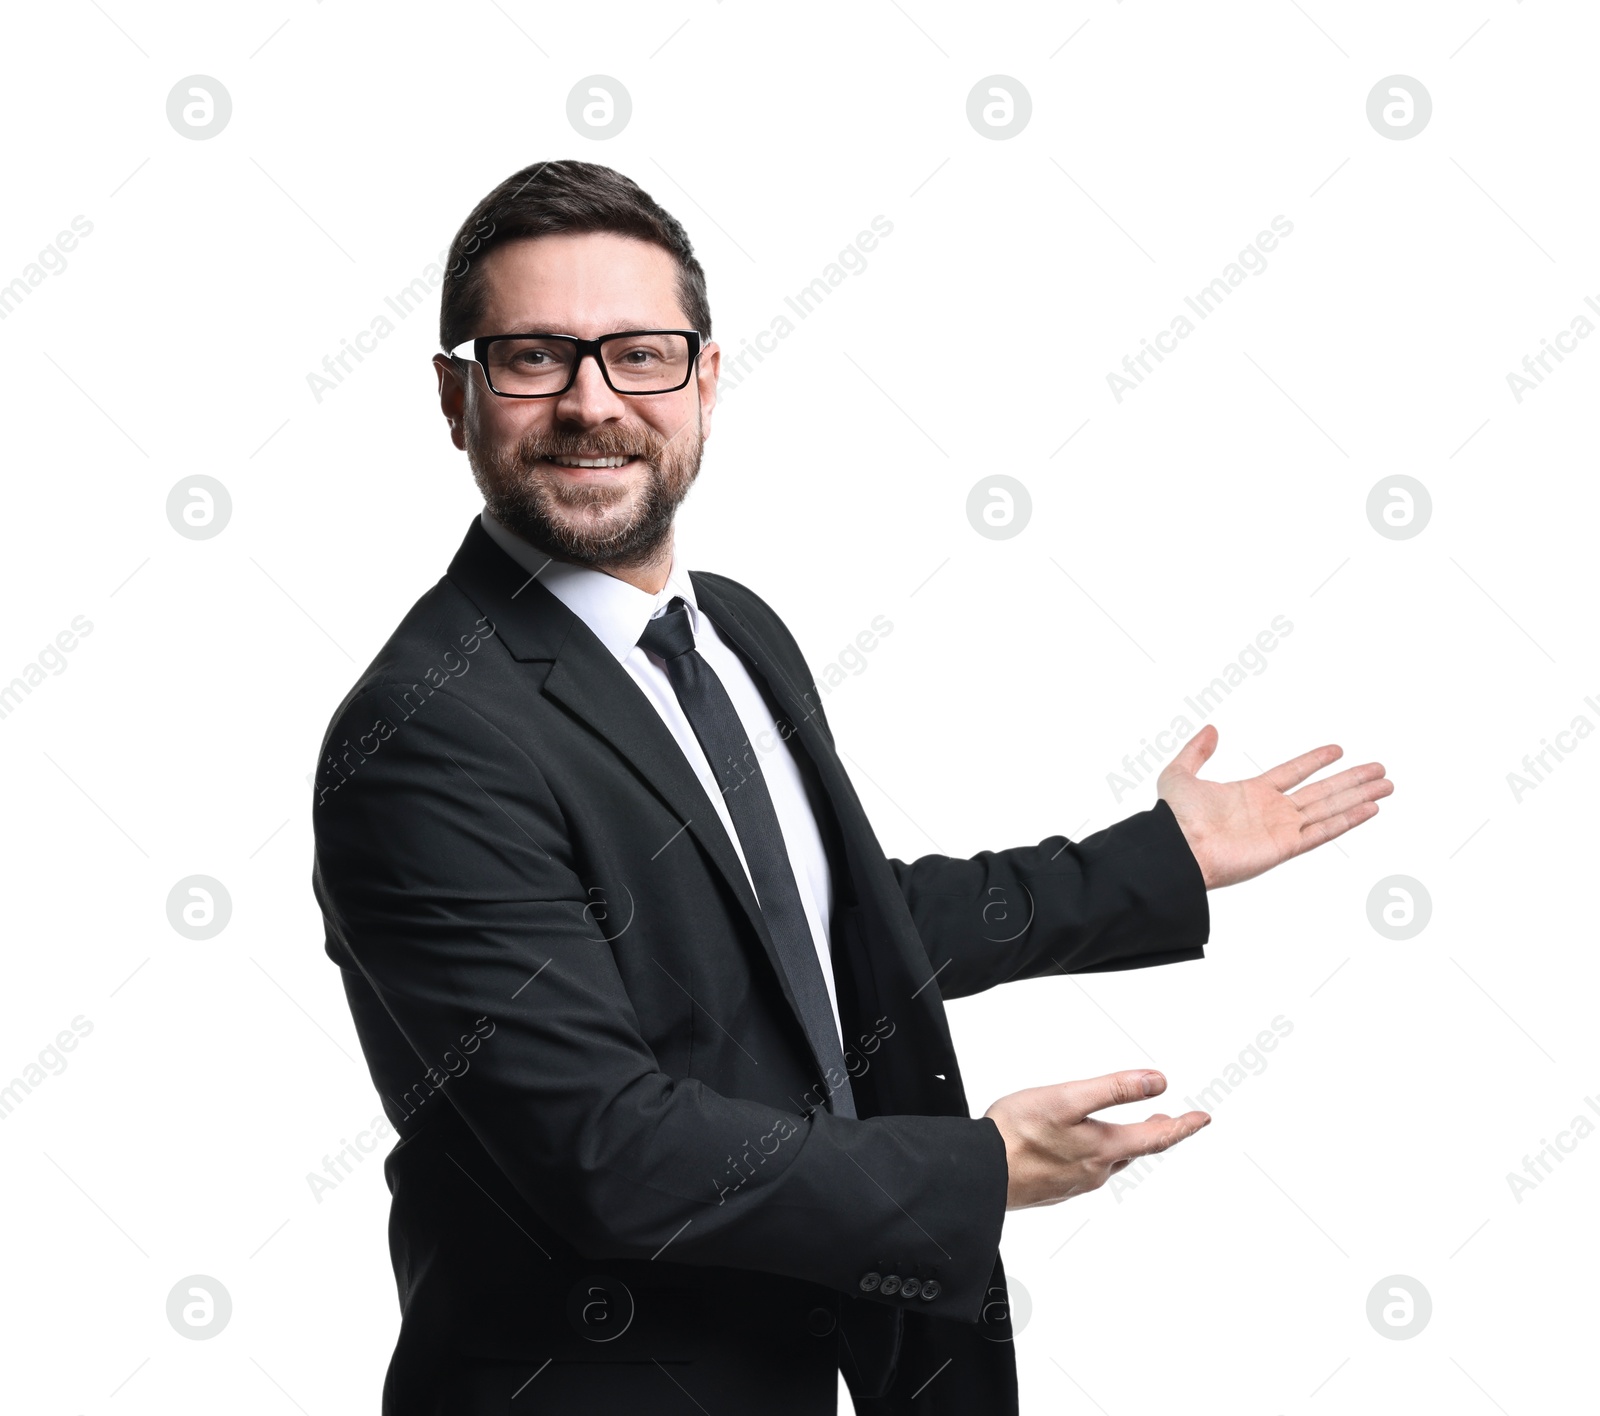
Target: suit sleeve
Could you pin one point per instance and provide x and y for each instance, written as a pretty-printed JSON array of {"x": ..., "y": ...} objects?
[
  {"x": 443, "y": 869},
  {"x": 1128, "y": 897}
]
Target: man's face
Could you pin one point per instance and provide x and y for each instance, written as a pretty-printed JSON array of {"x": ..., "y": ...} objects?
[{"x": 522, "y": 450}]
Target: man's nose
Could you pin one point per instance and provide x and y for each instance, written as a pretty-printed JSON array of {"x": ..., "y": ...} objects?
[{"x": 591, "y": 399}]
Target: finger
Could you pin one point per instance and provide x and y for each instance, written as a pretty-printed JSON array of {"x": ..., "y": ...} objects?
[
  {"x": 1345, "y": 801},
  {"x": 1297, "y": 769},
  {"x": 1083, "y": 1099},
  {"x": 1324, "y": 831},
  {"x": 1159, "y": 1133},
  {"x": 1339, "y": 782},
  {"x": 1193, "y": 754}
]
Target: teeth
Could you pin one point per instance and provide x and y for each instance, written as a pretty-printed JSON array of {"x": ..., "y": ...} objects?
[{"x": 591, "y": 461}]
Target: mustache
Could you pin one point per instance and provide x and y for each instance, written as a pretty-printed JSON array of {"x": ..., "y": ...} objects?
[{"x": 597, "y": 442}]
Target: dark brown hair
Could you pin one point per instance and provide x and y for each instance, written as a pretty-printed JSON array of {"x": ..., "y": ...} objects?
[{"x": 553, "y": 197}]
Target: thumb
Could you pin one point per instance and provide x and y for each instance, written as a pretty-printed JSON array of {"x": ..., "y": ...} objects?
[{"x": 1193, "y": 755}]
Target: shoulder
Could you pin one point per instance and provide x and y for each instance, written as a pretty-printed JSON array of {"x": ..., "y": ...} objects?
[
  {"x": 755, "y": 612},
  {"x": 439, "y": 639},
  {"x": 742, "y": 598},
  {"x": 769, "y": 626}
]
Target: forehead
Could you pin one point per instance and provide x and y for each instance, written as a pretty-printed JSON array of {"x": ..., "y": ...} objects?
[{"x": 586, "y": 284}]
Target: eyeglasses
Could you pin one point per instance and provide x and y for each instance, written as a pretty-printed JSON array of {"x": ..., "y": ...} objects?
[{"x": 635, "y": 361}]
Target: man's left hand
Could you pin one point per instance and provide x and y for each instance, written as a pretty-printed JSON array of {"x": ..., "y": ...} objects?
[{"x": 1240, "y": 829}]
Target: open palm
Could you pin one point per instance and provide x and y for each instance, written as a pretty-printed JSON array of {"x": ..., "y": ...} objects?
[{"x": 1240, "y": 829}]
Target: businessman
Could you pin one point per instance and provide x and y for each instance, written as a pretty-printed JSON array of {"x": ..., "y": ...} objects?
[{"x": 660, "y": 1027}]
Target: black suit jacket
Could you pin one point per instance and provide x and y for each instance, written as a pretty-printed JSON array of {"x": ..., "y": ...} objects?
[{"x": 618, "y": 1183}]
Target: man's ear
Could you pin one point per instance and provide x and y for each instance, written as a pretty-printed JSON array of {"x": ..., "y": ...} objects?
[
  {"x": 453, "y": 397},
  {"x": 706, "y": 372}
]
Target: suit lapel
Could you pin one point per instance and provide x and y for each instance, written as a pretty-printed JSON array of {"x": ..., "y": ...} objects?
[
  {"x": 591, "y": 684},
  {"x": 823, "y": 756}
]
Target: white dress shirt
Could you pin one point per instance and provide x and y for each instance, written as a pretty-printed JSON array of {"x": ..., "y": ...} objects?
[{"x": 617, "y": 612}]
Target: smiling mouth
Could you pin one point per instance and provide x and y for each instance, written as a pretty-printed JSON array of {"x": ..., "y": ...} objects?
[{"x": 590, "y": 461}]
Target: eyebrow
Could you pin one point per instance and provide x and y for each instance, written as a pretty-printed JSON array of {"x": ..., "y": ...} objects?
[{"x": 531, "y": 327}]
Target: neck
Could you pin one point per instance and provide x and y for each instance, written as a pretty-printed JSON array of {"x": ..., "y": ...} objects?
[
  {"x": 647, "y": 572},
  {"x": 651, "y": 576}
]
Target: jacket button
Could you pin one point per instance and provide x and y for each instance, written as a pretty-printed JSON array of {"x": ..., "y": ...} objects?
[
  {"x": 869, "y": 1281},
  {"x": 909, "y": 1287},
  {"x": 930, "y": 1288},
  {"x": 891, "y": 1284},
  {"x": 820, "y": 1322}
]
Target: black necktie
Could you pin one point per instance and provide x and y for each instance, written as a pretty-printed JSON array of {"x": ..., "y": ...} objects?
[{"x": 727, "y": 747}]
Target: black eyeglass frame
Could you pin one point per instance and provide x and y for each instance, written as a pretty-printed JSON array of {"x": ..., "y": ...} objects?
[{"x": 584, "y": 348}]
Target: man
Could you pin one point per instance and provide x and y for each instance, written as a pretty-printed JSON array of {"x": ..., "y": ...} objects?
[{"x": 659, "y": 1026}]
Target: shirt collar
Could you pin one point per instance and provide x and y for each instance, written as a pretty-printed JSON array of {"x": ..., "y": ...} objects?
[{"x": 614, "y": 610}]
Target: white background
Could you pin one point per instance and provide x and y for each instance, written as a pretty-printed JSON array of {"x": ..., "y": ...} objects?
[{"x": 1172, "y": 528}]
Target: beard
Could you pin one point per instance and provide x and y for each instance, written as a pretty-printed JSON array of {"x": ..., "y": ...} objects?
[{"x": 598, "y": 525}]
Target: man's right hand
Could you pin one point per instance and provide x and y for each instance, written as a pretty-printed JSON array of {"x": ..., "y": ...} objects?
[{"x": 1055, "y": 1151}]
